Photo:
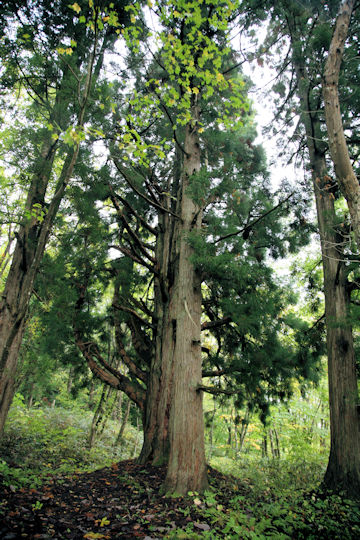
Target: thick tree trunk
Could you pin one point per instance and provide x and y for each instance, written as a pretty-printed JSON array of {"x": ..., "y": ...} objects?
[
  {"x": 157, "y": 411},
  {"x": 345, "y": 174},
  {"x": 156, "y": 425},
  {"x": 156, "y": 445},
  {"x": 343, "y": 471},
  {"x": 186, "y": 468}
]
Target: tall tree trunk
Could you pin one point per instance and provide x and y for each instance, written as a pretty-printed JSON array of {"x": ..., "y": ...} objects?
[
  {"x": 343, "y": 471},
  {"x": 186, "y": 468},
  {"x": 30, "y": 246},
  {"x": 156, "y": 424},
  {"x": 345, "y": 173},
  {"x": 29, "y": 249},
  {"x": 156, "y": 445}
]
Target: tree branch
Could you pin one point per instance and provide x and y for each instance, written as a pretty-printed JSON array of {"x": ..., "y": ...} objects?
[
  {"x": 142, "y": 195},
  {"x": 251, "y": 225},
  {"x": 133, "y": 235},
  {"x": 135, "y": 258},
  {"x": 134, "y": 314},
  {"x": 215, "y": 324},
  {"x": 133, "y": 211},
  {"x": 216, "y": 391}
]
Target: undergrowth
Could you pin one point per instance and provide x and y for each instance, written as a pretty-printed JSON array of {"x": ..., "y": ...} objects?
[
  {"x": 276, "y": 499},
  {"x": 258, "y": 498},
  {"x": 38, "y": 442}
]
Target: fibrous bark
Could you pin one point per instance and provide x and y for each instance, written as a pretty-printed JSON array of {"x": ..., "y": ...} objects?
[
  {"x": 186, "y": 468},
  {"x": 343, "y": 471},
  {"x": 339, "y": 152}
]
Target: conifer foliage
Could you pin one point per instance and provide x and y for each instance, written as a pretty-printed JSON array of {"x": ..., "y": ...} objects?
[{"x": 165, "y": 233}]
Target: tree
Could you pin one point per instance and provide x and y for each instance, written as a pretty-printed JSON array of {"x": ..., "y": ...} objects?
[
  {"x": 194, "y": 226},
  {"x": 56, "y": 59},
  {"x": 308, "y": 37},
  {"x": 338, "y": 147},
  {"x": 223, "y": 256}
]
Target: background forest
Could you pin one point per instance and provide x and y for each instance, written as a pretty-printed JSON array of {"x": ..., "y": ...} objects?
[{"x": 165, "y": 297}]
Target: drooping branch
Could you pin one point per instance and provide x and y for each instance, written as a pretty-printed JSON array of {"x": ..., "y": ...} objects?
[
  {"x": 93, "y": 357},
  {"x": 107, "y": 373}
]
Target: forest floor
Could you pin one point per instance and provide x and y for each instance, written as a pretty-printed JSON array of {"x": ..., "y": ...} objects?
[{"x": 124, "y": 501}]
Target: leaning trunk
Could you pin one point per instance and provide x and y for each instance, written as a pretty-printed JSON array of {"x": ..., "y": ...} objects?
[
  {"x": 8, "y": 380},
  {"x": 345, "y": 173},
  {"x": 29, "y": 249},
  {"x": 20, "y": 280},
  {"x": 31, "y": 242}
]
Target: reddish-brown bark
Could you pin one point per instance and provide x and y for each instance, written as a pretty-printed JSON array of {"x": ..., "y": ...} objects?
[{"x": 187, "y": 467}]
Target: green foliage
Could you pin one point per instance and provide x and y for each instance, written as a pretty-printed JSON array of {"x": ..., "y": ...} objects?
[
  {"x": 268, "y": 500},
  {"x": 38, "y": 442}
]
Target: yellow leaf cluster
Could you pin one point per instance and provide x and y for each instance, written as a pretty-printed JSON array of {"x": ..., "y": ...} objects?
[{"x": 76, "y": 7}]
